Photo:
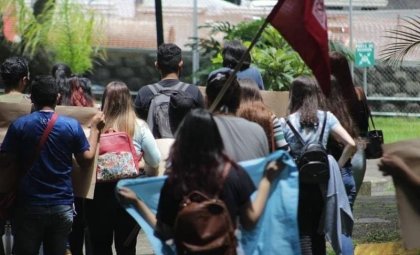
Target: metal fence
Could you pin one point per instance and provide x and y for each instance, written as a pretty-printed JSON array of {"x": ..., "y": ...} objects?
[{"x": 390, "y": 90}]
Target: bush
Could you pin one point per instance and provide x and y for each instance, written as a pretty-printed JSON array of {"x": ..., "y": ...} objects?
[
  {"x": 389, "y": 107},
  {"x": 412, "y": 108},
  {"x": 388, "y": 88},
  {"x": 412, "y": 88}
]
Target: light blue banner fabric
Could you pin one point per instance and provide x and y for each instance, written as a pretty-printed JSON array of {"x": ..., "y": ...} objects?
[{"x": 277, "y": 229}]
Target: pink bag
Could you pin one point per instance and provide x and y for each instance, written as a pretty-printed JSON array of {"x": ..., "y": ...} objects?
[{"x": 117, "y": 157}]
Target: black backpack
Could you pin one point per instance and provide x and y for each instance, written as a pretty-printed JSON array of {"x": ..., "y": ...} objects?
[
  {"x": 158, "y": 115},
  {"x": 313, "y": 160}
]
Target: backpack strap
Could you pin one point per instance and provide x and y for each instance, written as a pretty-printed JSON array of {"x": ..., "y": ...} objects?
[
  {"x": 323, "y": 128},
  {"x": 184, "y": 86},
  {"x": 179, "y": 86},
  {"x": 295, "y": 132},
  {"x": 154, "y": 88}
]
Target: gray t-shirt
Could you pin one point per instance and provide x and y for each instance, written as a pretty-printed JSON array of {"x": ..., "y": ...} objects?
[
  {"x": 309, "y": 135},
  {"x": 243, "y": 139}
]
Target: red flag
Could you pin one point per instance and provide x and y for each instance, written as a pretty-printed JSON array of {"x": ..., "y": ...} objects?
[{"x": 303, "y": 23}]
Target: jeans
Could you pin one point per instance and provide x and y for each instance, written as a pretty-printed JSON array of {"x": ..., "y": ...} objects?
[
  {"x": 47, "y": 225},
  {"x": 350, "y": 186}
]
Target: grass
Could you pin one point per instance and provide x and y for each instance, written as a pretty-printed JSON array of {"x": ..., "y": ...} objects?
[{"x": 398, "y": 128}]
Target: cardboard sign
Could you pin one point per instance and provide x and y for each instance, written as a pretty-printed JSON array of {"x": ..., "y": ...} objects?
[
  {"x": 83, "y": 179},
  {"x": 408, "y": 202},
  {"x": 277, "y": 101}
]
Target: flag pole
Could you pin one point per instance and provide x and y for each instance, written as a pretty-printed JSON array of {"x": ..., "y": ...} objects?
[{"x": 238, "y": 66}]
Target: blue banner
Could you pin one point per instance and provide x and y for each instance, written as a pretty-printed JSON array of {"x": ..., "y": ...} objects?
[{"x": 277, "y": 229}]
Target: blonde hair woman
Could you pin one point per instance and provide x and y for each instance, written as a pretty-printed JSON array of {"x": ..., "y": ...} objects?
[{"x": 106, "y": 218}]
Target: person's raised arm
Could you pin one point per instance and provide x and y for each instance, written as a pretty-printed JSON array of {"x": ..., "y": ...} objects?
[
  {"x": 84, "y": 159},
  {"x": 143, "y": 209},
  {"x": 252, "y": 210},
  {"x": 343, "y": 137}
]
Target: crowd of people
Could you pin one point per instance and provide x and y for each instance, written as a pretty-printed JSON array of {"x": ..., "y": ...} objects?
[{"x": 207, "y": 147}]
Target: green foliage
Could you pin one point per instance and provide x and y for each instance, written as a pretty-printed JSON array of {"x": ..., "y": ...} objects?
[
  {"x": 71, "y": 36},
  {"x": 276, "y": 60},
  {"x": 63, "y": 31},
  {"x": 341, "y": 48},
  {"x": 405, "y": 39},
  {"x": 278, "y": 63}
]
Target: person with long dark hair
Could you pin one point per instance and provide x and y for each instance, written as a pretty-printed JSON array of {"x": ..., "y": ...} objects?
[
  {"x": 336, "y": 104},
  {"x": 197, "y": 162},
  {"x": 107, "y": 220},
  {"x": 355, "y": 100},
  {"x": 307, "y": 117}
]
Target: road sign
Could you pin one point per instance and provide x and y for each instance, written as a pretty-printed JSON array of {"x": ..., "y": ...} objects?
[{"x": 365, "y": 54}]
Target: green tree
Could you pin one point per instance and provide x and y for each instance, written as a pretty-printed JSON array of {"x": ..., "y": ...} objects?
[
  {"x": 406, "y": 38},
  {"x": 63, "y": 31},
  {"x": 272, "y": 55}
]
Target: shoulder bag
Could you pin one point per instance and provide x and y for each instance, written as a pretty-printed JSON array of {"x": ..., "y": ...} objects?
[
  {"x": 117, "y": 157},
  {"x": 374, "y": 137}
]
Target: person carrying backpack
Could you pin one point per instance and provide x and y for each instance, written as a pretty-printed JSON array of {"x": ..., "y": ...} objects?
[
  {"x": 203, "y": 181},
  {"x": 152, "y": 101},
  {"x": 125, "y": 140},
  {"x": 312, "y": 128}
]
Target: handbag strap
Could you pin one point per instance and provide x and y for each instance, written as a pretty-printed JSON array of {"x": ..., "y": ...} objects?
[
  {"x": 363, "y": 99},
  {"x": 44, "y": 138},
  {"x": 321, "y": 136}
]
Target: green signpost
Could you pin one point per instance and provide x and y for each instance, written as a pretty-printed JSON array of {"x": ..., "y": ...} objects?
[
  {"x": 364, "y": 58},
  {"x": 365, "y": 54}
]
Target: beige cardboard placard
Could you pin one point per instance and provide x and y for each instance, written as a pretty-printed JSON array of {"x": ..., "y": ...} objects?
[
  {"x": 9, "y": 112},
  {"x": 277, "y": 101},
  {"x": 164, "y": 145},
  {"x": 408, "y": 202},
  {"x": 83, "y": 181}
]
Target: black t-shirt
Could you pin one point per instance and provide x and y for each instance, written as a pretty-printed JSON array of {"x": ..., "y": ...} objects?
[
  {"x": 237, "y": 191},
  {"x": 145, "y": 95}
]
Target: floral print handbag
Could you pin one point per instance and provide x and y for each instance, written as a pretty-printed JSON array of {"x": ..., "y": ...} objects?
[{"x": 117, "y": 157}]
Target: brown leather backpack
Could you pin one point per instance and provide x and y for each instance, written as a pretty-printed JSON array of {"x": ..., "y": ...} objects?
[{"x": 203, "y": 225}]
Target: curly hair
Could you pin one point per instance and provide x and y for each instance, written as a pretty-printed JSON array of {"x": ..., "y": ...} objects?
[{"x": 258, "y": 112}]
